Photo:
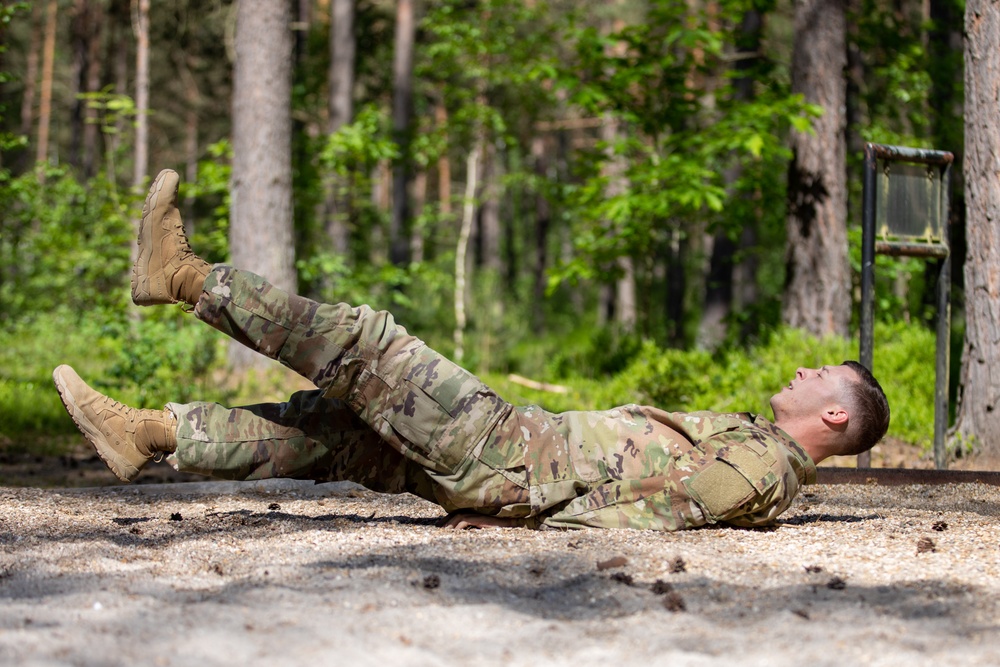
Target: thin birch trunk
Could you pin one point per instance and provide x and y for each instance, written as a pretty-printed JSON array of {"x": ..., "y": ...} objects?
[{"x": 468, "y": 215}]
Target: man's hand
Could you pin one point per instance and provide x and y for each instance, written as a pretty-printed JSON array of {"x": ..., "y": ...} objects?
[{"x": 467, "y": 520}]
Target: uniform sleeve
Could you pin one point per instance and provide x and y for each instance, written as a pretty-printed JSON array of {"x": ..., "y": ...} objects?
[
  {"x": 748, "y": 484},
  {"x": 649, "y": 504},
  {"x": 741, "y": 485}
]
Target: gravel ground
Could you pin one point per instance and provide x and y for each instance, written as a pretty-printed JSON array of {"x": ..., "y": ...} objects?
[{"x": 285, "y": 573}]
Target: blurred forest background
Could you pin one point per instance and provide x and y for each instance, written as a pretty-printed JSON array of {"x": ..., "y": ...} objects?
[{"x": 587, "y": 202}]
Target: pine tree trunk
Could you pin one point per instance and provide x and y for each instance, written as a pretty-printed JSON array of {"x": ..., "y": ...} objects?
[
  {"x": 817, "y": 296},
  {"x": 85, "y": 32},
  {"x": 261, "y": 235},
  {"x": 45, "y": 104},
  {"x": 676, "y": 288},
  {"x": 78, "y": 46},
  {"x": 978, "y": 417},
  {"x": 419, "y": 199},
  {"x": 192, "y": 113},
  {"x": 402, "y": 102},
  {"x": 343, "y": 47},
  {"x": 461, "y": 251},
  {"x": 141, "y": 26},
  {"x": 489, "y": 211},
  {"x": 614, "y": 171},
  {"x": 443, "y": 171},
  {"x": 31, "y": 70},
  {"x": 92, "y": 84},
  {"x": 122, "y": 19},
  {"x": 543, "y": 220}
]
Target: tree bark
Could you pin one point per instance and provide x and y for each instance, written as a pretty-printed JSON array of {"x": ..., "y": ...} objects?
[
  {"x": 419, "y": 200},
  {"x": 184, "y": 62},
  {"x": 92, "y": 84},
  {"x": 443, "y": 171},
  {"x": 79, "y": 31},
  {"x": 343, "y": 47},
  {"x": 402, "y": 103},
  {"x": 45, "y": 103},
  {"x": 261, "y": 235},
  {"x": 977, "y": 422},
  {"x": 31, "y": 70},
  {"x": 489, "y": 210},
  {"x": 85, "y": 34},
  {"x": 817, "y": 290},
  {"x": 141, "y": 27},
  {"x": 614, "y": 170},
  {"x": 468, "y": 215},
  {"x": 676, "y": 255},
  {"x": 543, "y": 221},
  {"x": 120, "y": 20}
]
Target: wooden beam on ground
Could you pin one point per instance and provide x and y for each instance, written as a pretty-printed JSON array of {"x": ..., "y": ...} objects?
[{"x": 897, "y": 476}]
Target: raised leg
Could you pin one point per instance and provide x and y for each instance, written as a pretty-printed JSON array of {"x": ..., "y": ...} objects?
[{"x": 426, "y": 407}]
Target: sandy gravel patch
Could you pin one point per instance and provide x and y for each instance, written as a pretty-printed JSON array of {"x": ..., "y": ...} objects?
[{"x": 286, "y": 573}]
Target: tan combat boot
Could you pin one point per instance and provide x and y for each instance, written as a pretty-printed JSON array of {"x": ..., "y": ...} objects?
[
  {"x": 166, "y": 271},
  {"x": 125, "y": 438}
]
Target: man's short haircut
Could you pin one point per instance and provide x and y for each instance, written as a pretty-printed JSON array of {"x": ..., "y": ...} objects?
[{"x": 869, "y": 411}]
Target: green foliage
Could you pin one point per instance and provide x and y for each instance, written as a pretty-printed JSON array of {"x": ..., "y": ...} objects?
[
  {"x": 142, "y": 362},
  {"x": 360, "y": 145},
  {"x": 897, "y": 86},
  {"x": 489, "y": 63},
  {"x": 668, "y": 172},
  {"x": 64, "y": 244},
  {"x": 8, "y": 10},
  {"x": 64, "y": 298},
  {"x": 166, "y": 355},
  {"x": 904, "y": 364},
  {"x": 210, "y": 232}
]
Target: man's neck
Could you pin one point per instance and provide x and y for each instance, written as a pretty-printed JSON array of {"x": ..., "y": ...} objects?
[{"x": 814, "y": 443}]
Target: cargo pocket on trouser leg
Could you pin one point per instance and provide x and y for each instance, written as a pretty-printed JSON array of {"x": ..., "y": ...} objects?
[
  {"x": 493, "y": 478},
  {"x": 429, "y": 409}
]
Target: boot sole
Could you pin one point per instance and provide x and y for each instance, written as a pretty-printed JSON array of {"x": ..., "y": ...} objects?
[
  {"x": 90, "y": 430},
  {"x": 142, "y": 292}
]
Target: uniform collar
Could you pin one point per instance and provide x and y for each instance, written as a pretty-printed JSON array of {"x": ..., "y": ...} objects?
[{"x": 801, "y": 462}]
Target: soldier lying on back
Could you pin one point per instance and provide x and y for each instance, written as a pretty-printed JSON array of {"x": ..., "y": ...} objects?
[{"x": 395, "y": 416}]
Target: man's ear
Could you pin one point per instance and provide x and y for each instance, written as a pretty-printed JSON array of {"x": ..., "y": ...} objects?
[{"x": 836, "y": 417}]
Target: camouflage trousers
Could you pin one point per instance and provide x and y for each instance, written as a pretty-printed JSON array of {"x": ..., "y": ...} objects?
[{"x": 389, "y": 412}]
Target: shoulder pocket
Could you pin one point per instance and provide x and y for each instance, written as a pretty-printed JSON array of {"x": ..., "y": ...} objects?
[{"x": 736, "y": 476}]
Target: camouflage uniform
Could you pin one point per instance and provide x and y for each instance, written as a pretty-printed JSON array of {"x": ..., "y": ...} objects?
[{"x": 392, "y": 414}]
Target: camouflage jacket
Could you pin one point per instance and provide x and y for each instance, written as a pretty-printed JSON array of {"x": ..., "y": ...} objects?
[{"x": 641, "y": 467}]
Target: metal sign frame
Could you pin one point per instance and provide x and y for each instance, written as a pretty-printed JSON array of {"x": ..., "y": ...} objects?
[{"x": 927, "y": 247}]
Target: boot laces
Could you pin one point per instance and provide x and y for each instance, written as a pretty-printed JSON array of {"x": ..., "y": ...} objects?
[
  {"x": 112, "y": 404},
  {"x": 185, "y": 244}
]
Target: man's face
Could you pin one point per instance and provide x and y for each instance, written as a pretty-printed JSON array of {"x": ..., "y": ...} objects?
[{"x": 812, "y": 391}]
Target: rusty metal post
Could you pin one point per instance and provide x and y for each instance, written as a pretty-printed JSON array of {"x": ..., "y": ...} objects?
[
  {"x": 943, "y": 352},
  {"x": 908, "y": 248},
  {"x": 866, "y": 353}
]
